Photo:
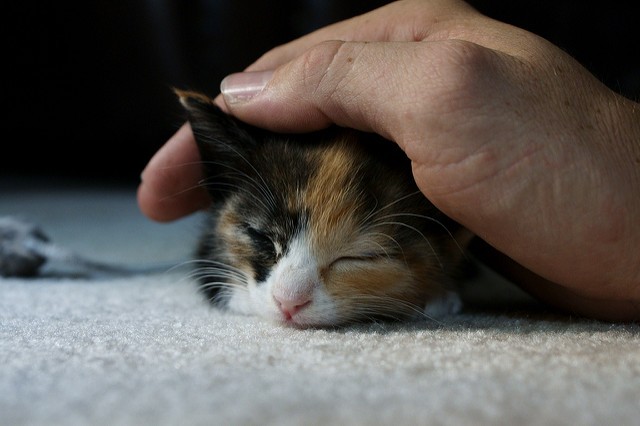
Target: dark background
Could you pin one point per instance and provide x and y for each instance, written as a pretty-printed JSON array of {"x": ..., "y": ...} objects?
[{"x": 87, "y": 90}]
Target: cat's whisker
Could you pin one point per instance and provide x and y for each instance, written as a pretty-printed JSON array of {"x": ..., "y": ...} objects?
[
  {"x": 381, "y": 247},
  {"x": 269, "y": 193},
  {"x": 189, "y": 164},
  {"x": 389, "y": 237},
  {"x": 178, "y": 193},
  {"x": 218, "y": 278},
  {"x": 383, "y": 305},
  {"x": 391, "y": 204},
  {"x": 413, "y": 228},
  {"x": 203, "y": 274},
  {"x": 213, "y": 270},
  {"x": 429, "y": 218},
  {"x": 386, "y": 305},
  {"x": 232, "y": 188},
  {"x": 211, "y": 282},
  {"x": 219, "y": 269},
  {"x": 224, "y": 291},
  {"x": 243, "y": 177},
  {"x": 251, "y": 181},
  {"x": 222, "y": 265},
  {"x": 260, "y": 187},
  {"x": 374, "y": 210},
  {"x": 209, "y": 279},
  {"x": 223, "y": 285}
]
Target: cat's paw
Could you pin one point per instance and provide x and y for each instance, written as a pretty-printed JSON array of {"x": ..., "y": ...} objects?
[
  {"x": 20, "y": 243},
  {"x": 449, "y": 303}
]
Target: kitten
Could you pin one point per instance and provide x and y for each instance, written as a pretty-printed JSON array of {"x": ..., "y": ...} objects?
[{"x": 317, "y": 229}]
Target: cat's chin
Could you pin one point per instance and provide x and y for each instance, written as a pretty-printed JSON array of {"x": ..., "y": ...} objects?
[
  {"x": 292, "y": 323},
  {"x": 303, "y": 321}
]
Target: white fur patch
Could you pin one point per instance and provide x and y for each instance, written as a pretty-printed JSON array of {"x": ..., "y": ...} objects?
[{"x": 295, "y": 277}]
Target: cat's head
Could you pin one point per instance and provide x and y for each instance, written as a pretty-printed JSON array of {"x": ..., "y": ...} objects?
[{"x": 316, "y": 229}]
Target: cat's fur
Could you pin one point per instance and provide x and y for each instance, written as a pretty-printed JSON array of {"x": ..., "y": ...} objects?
[{"x": 316, "y": 229}]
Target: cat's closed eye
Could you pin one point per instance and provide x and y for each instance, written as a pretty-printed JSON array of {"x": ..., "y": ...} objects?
[
  {"x": 346, "y": 261},
  {"x": 316, "y": 229}
]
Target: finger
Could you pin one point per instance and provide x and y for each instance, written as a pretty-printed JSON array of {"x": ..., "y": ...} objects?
[
  {"x": 169, "y": 188},
  {"x": 347, "y": 30},
  {"x": 397, "y": 21},
  {"x": 366, "y": 86}
]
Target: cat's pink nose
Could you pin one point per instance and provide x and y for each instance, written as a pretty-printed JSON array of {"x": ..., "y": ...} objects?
[{"x": 290, "y": 306}]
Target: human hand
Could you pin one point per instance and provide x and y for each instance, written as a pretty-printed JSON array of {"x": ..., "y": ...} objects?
[{"x": 507, "y": 135}]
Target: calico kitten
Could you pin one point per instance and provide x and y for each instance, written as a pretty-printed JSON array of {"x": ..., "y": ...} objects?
[{"x": 316, "y": 229}]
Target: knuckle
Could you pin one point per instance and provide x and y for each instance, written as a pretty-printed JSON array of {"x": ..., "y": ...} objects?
[
  {"x": 462, "y": 73},
  {"x": 327, "y": 70},
  {"x": 316, "y": 63}
]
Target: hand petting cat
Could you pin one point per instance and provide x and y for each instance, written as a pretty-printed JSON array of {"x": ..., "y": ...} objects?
[{"x": 507, "y": 135}]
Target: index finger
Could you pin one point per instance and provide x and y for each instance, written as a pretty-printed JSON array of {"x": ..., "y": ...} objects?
[{"x": 398, "y": 21}]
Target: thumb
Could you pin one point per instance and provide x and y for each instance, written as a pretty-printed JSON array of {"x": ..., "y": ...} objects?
[{"x": 351, "y": 84}]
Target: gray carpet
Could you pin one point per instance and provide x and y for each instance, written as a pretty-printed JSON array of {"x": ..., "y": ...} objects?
[{"x": 149, "y": 351}]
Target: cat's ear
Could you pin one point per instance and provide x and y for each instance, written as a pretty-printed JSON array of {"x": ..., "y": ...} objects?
[{"x": 224, "y": 142}]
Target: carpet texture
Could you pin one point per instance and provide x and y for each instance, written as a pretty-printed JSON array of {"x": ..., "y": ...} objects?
[{"x": 148, "y": 350}]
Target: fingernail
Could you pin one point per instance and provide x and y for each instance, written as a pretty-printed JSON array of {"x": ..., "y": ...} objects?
[{"x": 243, "y": 86}]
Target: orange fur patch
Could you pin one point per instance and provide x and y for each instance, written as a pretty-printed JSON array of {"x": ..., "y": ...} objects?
[
  {"x": 333, "y": 201},
  {"x": 331, "y": 198}
]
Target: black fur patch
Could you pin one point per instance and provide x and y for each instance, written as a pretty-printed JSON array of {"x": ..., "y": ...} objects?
[{"x": 264, "y": 254}]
